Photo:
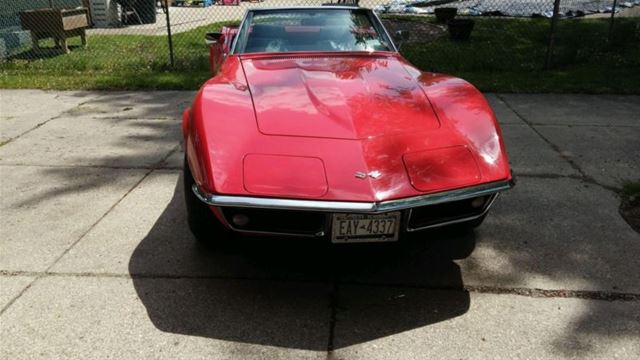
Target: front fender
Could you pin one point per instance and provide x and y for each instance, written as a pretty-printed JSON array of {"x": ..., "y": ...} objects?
[
  {"x": 464, "y": 110},
  {"x": 186, "y": 115},
  {"x": 220, "y": 121}
]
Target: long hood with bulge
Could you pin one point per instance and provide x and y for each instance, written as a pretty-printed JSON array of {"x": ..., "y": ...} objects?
[
  {"x": 342, "y": 97},
  {"x": 348, "y": 128}
]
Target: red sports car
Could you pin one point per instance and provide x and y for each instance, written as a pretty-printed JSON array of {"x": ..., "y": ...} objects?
[{"x": 314, "y": 125}]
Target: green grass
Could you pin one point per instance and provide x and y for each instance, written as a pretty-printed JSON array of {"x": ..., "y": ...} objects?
[
  {"x": 631, "y": 189},
  {"x": 504, "y": 55},
  {"x": 507, "y": 55},
  {"x": 115, "y": 62}
]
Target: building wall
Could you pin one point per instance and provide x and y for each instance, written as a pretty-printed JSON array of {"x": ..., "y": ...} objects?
[{"x": 105, "y": 13}]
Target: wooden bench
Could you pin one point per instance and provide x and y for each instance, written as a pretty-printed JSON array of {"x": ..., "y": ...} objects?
[{"x": 59, "y": 24}]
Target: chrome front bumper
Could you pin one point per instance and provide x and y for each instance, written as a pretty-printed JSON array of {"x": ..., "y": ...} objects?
[
  {"x": 349, "y": 206},
  {"x": 407, "y": 205}
]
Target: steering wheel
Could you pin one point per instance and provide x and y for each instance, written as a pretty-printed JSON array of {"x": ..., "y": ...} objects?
[
  {"x": 276, "y": 45},
  {"x": 329, "y": 45}
]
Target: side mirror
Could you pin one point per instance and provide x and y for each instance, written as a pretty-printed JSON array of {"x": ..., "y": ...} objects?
[
  {"x": 402, "y": 35},
  {"x": 212, "y": 38}
]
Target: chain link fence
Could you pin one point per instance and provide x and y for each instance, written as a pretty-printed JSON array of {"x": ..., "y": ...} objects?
[{"x": 166, "y": 35}]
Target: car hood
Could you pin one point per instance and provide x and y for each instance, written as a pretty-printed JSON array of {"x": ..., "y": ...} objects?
[
  {"x": 401, "y": 152},
  {"x": 342, "y": 97}
]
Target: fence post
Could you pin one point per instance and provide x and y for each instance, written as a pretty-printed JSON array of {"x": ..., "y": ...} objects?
[
  {"x": 552, "y": 34},
  {"x": 165, "y": 9},
  {"x": 613, "y": 12}
]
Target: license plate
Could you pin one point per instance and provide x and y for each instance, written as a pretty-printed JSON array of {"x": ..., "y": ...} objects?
[{"x": 352, "y": 228}]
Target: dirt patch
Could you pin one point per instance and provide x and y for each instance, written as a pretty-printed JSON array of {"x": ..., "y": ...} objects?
[
  {"x": 419, "y": 31},
  {"x": 630, "y": 210}
]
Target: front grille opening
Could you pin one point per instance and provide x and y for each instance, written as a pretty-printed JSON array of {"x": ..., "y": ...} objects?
[
  {"x": 275, "y": 221},
  {"x": 425, "y": 216}
]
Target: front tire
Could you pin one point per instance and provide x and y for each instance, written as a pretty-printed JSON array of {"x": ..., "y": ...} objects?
[{"x": 202, "y": 222}]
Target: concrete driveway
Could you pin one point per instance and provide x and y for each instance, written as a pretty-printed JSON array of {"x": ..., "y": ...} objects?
[{"x": 96, "y": 260}]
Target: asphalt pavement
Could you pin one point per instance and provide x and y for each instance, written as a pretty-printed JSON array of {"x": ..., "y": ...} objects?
[{"x": 96, "y": 260}]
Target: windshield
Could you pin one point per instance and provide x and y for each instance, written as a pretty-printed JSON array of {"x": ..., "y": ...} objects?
[{"x": 288, "y": 30}]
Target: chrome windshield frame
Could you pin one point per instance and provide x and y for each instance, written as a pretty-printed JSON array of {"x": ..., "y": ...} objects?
[{"x": 351, "y": 206}]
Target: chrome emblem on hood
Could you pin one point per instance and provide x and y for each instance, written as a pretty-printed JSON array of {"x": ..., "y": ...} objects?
[
  {"x": 372, "y": 174},
  {"x": 375, "y": 174}
]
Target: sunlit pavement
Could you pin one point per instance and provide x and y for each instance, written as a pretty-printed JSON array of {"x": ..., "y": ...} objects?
[{"x": 96, "y": 259}]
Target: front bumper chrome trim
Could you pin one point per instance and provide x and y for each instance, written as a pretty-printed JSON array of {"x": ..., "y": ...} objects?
[
  {"x": 349, "y": 206},
  {"x": 453, "y": 221}
]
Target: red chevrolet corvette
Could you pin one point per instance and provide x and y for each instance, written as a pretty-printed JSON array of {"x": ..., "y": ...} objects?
[{"x": 314, "y": 125}]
